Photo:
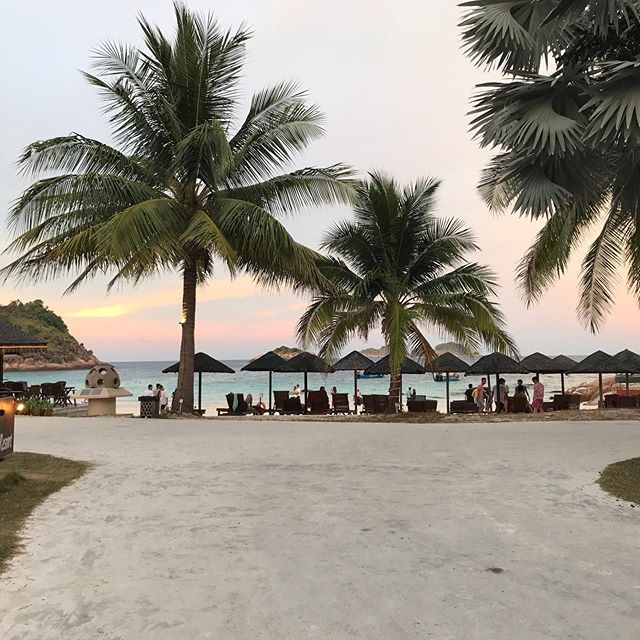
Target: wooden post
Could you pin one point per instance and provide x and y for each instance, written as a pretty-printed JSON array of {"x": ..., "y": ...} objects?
[
  {"x": 626, "y": 375},
  {"x": 199, "y": 391},
  {"x": 447, "y": 392},
  {"x": 562, "y": 382},
  {"x": 1, "y": 367},
  {"x": 497, "y": 392},
  {"x": 601, "y": 395},
  {"x": 306, "y": 391},
  {"x": 270, "y": 392},
  {"x": 355, "y": 391}
]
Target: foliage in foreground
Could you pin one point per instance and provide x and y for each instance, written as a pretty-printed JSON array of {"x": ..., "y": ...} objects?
[
  {"x": 622, "y": 479},
  {"x": 566, "y": 127},
  {"x": 192, "y": 185},
  {"x": 400, "y": 268},
  {"x": 26, "y": 479}
]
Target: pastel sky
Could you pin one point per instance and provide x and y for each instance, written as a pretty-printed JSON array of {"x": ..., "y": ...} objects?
[{"x": 395, "y": 86}]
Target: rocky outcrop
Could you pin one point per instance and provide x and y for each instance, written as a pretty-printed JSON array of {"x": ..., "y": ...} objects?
[{"x": 63, "y": 350}]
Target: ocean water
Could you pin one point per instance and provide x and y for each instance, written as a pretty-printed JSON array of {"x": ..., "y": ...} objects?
[{"x": 136, "y": 376}]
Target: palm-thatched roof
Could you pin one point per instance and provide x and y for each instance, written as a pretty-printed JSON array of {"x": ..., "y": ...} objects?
[
  {"x": 564, "y": 363},
  {"x": 382, "y": 366},
  {"x": 496, "y": 363},
  {"x": 355, "y": 361},
  {"x": 597, "y": 362},
  {"x": 202, "y": 363},
  {"x": 539, "y": 363},
  {"x": 270, "y": 361},
  {"x": 448, "y": 362},
  {"x": 628, "y": 361},
  {"x": 305, "y": 361},
  {"x": 13, "y": 338}
]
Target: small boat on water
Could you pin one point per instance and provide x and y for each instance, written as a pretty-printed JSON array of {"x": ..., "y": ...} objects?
[
  {"x": 370, "y": 376},
  {"x": 442, "y": 377}
]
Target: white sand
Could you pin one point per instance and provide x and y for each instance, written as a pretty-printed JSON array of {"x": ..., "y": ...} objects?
[{"x": 259, "y": 530}]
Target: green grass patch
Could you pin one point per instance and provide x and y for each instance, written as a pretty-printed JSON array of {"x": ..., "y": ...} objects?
[
  {"x": 622, "y": 479},
  {"x": 26, "y": 480}
]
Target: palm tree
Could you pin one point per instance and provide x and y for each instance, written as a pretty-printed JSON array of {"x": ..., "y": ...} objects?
[
  {"x": 400, "y": 268},
  {"x": 566, "y": 128},
  {"x": 188, "y": 186}
]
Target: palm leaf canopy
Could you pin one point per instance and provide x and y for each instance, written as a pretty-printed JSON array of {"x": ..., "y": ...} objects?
[
  {"x": 269, "y": 361},
  {"x": 448, "y": 362},
  {"x": 496, "y": 363},
  {"x": 566, "y": 141},
  {"x": 383, "y": 366},
  {"x": 305, "y": 362},
  {"x": 564, "y": 363},
  {"x": 191, "y": 178},
  {"x": 628, "y": 362},
  {"x": 597, "y": 362},
  {"x": 354, "y": 361},
  {"x": 398, "y": 268},
  {"x": 203, "y": 363},
  {"x": 539, "y": 363}
]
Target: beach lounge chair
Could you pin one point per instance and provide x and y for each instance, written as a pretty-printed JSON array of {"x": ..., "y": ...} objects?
[
  {"x": 422, "y": 406},
  {"x": 279, "y": 400},
  {"x": 292, "y": 406},
  {"x": 341, "y": 403},
  {"x": 463, "y": 406},
  {"x": 566, "y": 402},
  {"x": 317, "y": 403},
  {"x": 615, "y": 401},
  {"x": 240, "y": 404},
  {"x": 518, "y": 404}
]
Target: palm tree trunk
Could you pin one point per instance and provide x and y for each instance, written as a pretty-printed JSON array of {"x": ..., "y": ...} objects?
[
  {"x": 394, "y": 386},
  {"x": 183, "y": 399}
]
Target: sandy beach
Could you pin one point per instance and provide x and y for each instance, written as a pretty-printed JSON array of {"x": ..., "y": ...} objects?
[{"x": 287, "y": 530}]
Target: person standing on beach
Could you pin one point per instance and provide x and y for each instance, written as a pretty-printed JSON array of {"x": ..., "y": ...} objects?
[
  {"x": 296, "y": 391},
  {"x": 149, "y": 391},
  {"x": 468, "y": 394},
  {"x": 480, "y": 395},
  {"x": 537, "y": 402},
  {"x": 164, "y": 400},
  {"x": 500, "y": 396}
]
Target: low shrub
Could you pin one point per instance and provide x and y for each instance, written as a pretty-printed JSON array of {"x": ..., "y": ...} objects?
[{"x": 38, "y": 407}]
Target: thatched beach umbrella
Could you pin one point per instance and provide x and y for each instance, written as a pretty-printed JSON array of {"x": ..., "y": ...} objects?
[
  {"x": 448, "y": 363},
  {"x": 598, "y": 362},
  {"x": 629, "y": 362},
  {"x": 270, "y": 362},
  {"x": 202, "y": 363},
  {"x": 565, "y": 365},
  {"x": 13, "y": 340},
  {"x": 355, "y": 361},
  {"x": 496, "y": 363},
  {"x": 539, "y": 363},
  {"x": 383, "y": 366},
  {"x": 306, "y": 363}
]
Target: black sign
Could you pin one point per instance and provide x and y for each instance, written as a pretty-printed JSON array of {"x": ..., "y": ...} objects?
[{"x": 7, "y": 415}]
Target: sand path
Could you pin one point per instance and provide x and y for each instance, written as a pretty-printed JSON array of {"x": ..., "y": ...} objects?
[{"x": 246, "y": 530}]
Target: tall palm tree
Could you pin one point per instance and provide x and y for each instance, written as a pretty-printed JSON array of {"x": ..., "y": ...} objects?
[
  {"x": 188, "y": 185},
  {"x": 400, "y": 268},
  {"x": 566, "y": 128}
]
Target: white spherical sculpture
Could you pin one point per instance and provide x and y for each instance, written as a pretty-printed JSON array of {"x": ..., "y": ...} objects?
[{"x": 102, "y": 376}]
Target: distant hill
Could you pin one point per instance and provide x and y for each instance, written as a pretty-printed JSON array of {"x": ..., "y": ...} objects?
[
  {"x": 454, "y": 347},
  {"x": 372, "y": 352},
  {"x": 63, "y": 350},
  {"x": 287, "y": 352}
]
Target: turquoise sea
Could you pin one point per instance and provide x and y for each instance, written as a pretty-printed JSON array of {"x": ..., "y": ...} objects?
[{"x": 136, "y": 376}]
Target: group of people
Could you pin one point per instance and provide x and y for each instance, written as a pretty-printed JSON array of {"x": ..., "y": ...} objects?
[
  {"x": 481, "y": 397},
  {"x": 160, "y": 393}
]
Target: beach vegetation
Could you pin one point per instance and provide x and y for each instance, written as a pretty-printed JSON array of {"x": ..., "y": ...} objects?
[
  {"x": 565, "y": 128},
  {"x": 400, "y": 268},
  {"x": 26, "y": 480},
  {"x": 195, "y": 182},
  {"x": 622, "y": 479}
]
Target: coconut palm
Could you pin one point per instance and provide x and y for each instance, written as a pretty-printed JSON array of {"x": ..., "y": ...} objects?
[
  {"x": 566, "y": 125},
  {"x": 189, "y": 186},
  {"x": 400, "y": 268}
]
